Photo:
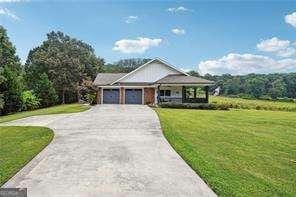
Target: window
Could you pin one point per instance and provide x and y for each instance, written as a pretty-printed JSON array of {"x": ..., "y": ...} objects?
[
  {"x": 165, "y": 93},
  {"x": 190, "y": 93},
  {"x": 194, "y": 92},
  {"x": 200, "y": 92}
]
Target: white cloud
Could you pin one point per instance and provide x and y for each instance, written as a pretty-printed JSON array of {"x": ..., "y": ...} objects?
[
  {"x": 7, "y": 12},
  {"x": 139, "y": 45},
  {"x": 240, "y": 64},
  {"x": 282, "y": 48},
  {"x": 273, "y": 45},
  {"x": 179, "y": 31},
  {"x": 288, "y": 52},
  {"x": 178, "y": 9},
  {"x": 131, "y": 19},
  {"x": 291, "y": 19}
]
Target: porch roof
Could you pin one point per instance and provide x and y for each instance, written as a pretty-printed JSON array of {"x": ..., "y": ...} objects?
[{"x": 183, "y": 79}]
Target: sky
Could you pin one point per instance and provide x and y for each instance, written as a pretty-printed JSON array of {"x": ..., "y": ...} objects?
[{"x": 236, "y": 37}]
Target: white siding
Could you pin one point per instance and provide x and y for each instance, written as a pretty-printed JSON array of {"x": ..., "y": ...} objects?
[{"x": 150, "y": 73}]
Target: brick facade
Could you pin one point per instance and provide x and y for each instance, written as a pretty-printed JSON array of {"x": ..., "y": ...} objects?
[
  {"x": 122, "y": 96},
  {"x": 99, "y": 92},
  {"x": 149, "y": 95}
]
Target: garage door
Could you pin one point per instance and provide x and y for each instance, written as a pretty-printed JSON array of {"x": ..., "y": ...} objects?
[
  {"x": 111, "y": 96},
  {"x": 133, "y": 96}
]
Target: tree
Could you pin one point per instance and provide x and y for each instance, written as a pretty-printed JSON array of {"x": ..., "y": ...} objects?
[
  {"x": 66, "y": 61},
  {"x": 45, "y": 91},
  {"x": 125, "y": 65},
  {"x": 194, "y": 73},
  {"x": 11, "y": 90},
  {"x": 278, "y": 88},
  {"x": 10, "y": 75},
  {"x": 132, "y": 62},
  {"x": 2, "y": 79},
  {"x": 290, "y": 84}
]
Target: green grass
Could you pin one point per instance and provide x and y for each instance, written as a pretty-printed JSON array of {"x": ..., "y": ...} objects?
[
  {"x": 253, "y": 104},
  {"x": 237, "y": 152},
  {"x": 67, "y": 108},
  {"x": 18, "y": 145}
]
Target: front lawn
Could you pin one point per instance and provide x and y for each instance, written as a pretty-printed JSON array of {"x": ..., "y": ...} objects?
[
  {"x": 59, "y": 109},
  {"x": 237, "y": 152},
  {"x": 18, "y": 145}
]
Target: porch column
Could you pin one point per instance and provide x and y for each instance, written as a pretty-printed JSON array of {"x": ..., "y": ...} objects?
[
  {"x": 158, "y": 94},
  {"x": 207, "y": 93},
  {"x": 183, "y": 94}
]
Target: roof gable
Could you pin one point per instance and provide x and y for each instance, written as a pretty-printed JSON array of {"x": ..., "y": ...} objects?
[{"x": 150, "y": 72}]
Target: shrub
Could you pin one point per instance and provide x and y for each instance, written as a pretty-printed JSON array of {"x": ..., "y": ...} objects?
[
  {"x": 91, "y": 98},
  {"x": 207, "y": 106},
  {"x": 29, "y": 101}
]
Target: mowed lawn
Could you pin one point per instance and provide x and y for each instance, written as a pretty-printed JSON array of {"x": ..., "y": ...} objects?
[
  {"x": 18, "y": 145},
  {"x": 237, "y": 152},
  {"x": 67, "y": 108}
]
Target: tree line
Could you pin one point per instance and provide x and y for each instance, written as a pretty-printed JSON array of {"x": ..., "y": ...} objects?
[
  {"x": 280, "y": 86},
  {"x": 56, "y": 70}
]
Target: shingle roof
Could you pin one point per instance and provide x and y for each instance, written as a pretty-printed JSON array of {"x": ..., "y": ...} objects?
[
  {"x": 107, "y": 78},
  {"x": 183, "y": 79}
]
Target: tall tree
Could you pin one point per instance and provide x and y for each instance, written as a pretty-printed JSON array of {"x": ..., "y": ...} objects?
[
  {"x": 66, "y": 61},
  {"x": 10, "y": 75},
  {"x": 125, "y": 65},
  {"x": 45, "y": 91}
]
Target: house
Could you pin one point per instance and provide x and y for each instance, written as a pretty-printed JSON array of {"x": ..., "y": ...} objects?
[{"x": 154, "y": 82}]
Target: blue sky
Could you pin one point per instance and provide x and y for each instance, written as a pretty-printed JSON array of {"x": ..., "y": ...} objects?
[{"x": 211, "y": 37}]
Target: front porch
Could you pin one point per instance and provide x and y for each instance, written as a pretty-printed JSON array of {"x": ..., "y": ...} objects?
[
  {"x": 183, "y": 89},
  {"x": 182, "y": 94}
]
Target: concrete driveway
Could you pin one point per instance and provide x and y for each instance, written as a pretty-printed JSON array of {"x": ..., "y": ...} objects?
[{"x": 109, "y": 150}]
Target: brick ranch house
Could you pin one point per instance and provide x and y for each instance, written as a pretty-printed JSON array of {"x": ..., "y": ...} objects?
[{"x": 154, "y": 82}]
